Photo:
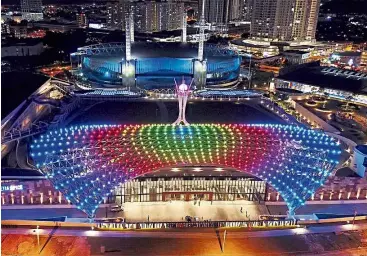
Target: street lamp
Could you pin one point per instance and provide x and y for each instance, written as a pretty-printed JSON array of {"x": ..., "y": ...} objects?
[{"x": 38, "y": 237}]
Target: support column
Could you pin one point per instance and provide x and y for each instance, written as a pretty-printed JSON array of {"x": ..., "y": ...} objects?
[
  {"x": 200, "y": 63},
  {"x": 131, "y": 20},
  {"x": 291, "y": 213},
  {"x": 200, "y": 74},
  {"x": 127, "y": 37},
  {"x": 201, "y": 33},
  {"x": 128, "y": 66},
  {"x": 128, "y": 74}
]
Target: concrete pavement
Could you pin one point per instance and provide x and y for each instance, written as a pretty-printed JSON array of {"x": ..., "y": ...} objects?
[{"x": 165, "y": 211}]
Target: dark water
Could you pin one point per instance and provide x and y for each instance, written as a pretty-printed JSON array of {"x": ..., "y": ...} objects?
[{"x": 167, "y": 112}]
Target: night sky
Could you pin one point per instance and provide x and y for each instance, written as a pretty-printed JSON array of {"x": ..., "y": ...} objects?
[{"x": 13, "y": 2}]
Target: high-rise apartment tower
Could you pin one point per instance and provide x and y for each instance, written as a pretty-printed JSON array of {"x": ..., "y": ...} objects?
[
  {"x": 284, "y": 20},
  {"x": 31, "y": 10}
]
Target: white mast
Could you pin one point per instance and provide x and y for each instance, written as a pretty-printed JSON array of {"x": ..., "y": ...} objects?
[
  {"x": 128, "y": 34},
  {"x": 131, "y": 25},
  {"x": 184, "y": 27},
  {"x": 201, "y": 33}
]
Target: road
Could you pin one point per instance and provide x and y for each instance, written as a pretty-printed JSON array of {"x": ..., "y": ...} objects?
[
  {"x": 139, "y": 212},
  {"x": 320, "y": 240}
]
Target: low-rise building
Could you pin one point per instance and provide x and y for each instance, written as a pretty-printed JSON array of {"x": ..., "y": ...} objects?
[
  {"x": 81, "y": 19},
  {"x": 349, "y": 58},
  {"x": 338, "y": 83},
  {"x": 296, "y": 56},
  {"x": 55, "y": 26},
  {"x": 25, "y": 47},
  {"x": 19, "y": 30}
]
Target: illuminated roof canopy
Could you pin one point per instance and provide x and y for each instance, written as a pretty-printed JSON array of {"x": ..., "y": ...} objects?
[{"x": 86, "y": 162}]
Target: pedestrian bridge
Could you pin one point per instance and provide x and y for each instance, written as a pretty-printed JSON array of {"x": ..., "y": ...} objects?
[{"x": 87, "y": 162}]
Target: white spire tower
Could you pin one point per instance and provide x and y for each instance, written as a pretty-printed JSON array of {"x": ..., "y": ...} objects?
[{"x": 183, "y": 92}]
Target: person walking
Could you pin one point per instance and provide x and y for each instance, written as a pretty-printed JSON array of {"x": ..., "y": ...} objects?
[{"x": 241, "y": 210}]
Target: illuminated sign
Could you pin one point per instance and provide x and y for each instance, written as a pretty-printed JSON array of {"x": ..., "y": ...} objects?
[
  {"x": 96, "y": 25},
  {"x": 11, "y": 187}
]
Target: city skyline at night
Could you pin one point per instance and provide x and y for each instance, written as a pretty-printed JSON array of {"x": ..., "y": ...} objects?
[{"x": 198, "y": 127}]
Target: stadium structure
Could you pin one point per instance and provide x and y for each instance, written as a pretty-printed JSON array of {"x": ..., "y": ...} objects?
[
  {"x": 59, "y": 128},
  {"x": 151, "y": 65},
  {"x": 156, "y": 65},
  {"x": 86, "y": 163}
]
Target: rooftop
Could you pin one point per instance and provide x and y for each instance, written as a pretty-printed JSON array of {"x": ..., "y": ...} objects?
[
  {"x": 116, "y": 51},
  {"x": 20, "y": 42},
  {"x": 327, "y": 77},
  {"x": 296, "y": 52},
  {"x": 347, "y": 54},
  {"x": 197, "y": 171},
  {"x": 242, "y": 42}
]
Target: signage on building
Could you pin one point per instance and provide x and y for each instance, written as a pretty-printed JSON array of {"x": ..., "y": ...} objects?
[{"x": 11, "y": 187}]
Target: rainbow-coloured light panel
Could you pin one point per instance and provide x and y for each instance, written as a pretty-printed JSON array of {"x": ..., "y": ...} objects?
[{"x": 87, "y": 162}]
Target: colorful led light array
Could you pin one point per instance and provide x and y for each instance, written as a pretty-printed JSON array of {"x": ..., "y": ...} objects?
[{"x": 87, "y": 162}]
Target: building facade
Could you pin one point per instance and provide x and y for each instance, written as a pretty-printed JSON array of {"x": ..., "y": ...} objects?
[
  {"x": 235, "y": 10},
  {"x": 189, "y": 189},
  {"x": 31, "y": 9},
  {"x": 284, "y": 20},
  {"x": 22, "y": 48},
  {"x": 297, "y": 57},
  {"x": 149, "y": 16},
  {"x": 247, "y": 10},
  {"x": 18, "y": 30},
  {"x": 115, "y": 14},
  {"x": 81, "y": 19},
  {"x": 216, "y": 11}
]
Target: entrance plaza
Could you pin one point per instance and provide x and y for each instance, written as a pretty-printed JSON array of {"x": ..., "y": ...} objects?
[{"x": 204, "y": 210}]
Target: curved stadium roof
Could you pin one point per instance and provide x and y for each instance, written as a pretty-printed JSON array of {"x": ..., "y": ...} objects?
[
  {"x": 87, "y": 162},
  {"x": 155, "y": 50}
]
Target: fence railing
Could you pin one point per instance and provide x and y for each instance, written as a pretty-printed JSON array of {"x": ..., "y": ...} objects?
[{"x": 198, "y": 224}]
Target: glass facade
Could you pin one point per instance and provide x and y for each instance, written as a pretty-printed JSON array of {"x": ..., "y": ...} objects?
[{"x": 189, "y": 188}]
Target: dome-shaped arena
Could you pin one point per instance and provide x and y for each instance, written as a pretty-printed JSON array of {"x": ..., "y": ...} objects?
[{"x": 156, "y": 64}]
